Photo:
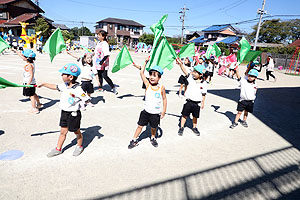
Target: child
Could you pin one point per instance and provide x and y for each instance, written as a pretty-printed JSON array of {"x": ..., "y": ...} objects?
[
  {"x": 195, "y": 95},
  {"x": 247, "y": 97},
  {"x": 28, "y": 78},
  {"x": 70, "y": 100},
  {"x": 270, "y": 68},
  {"x": 210, "y": 68},
  {"x": 88, "y": 72},
  {"x": 155, "y": 95},
  {"x": 182, "y": 79}
]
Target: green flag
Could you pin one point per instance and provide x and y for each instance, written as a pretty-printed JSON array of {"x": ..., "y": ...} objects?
[
  {"x": 55, "y": 44},
  {"x": 158, "y": 29},
  {"x": 163, "y": 55},
  {"x": 6, "y": 83},
  {"x": 187, "y": 51},
  {"x": 2, "y": 86},
  {"x": 3, "y": 44},
  {"x": 123, "y": 59},
  {"x": 210, "y": 51},
  {"x": 217, "y": 50},
  {"x": 252, "y": 55},
  {"x": 245, "y": 48}
]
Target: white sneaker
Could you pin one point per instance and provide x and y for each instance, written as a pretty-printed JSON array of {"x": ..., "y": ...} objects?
[
  {"x": 78, "y": 151},
  {"x": 115, "y": 91}
]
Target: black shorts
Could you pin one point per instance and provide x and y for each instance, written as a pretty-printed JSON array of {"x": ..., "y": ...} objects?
[
  {"x": 144, "y": 86},
  {"x": 28, "y": 92},
  {"x": 245, "y": 105},
  {"x": 234, "y": 70},
  {"x": 211, "y": 74},
  {"x": 183, "y": 80},
  {"x": 87, "y": 86},
  {"x": 72, "y": 122},
  {"x": 145, "y": 118},
  {"x": 191, "y": 107}
]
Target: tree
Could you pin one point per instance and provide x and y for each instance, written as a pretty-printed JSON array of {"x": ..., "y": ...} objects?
[
  {"x": 112, "y": 41},
  {"x": 80, "y": 31},
  {"x": 147, "y": 38},
  {"x": 43, "y": 26},
  {"x": 277, "y": 31},
  {"x": 67, "y": 35},
  {"x": 224, "y": 48},
  {"x": 174, "y": 40}
]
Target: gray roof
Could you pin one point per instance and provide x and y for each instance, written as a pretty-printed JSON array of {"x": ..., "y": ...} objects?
[
  {"x": 61, "y": 26},
  {"x": 121, "y": 21}
]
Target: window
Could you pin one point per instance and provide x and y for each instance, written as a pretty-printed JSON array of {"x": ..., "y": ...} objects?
[
  {"x": 121, "y": 28},
  {"x": 110, "y": 26},
  {"x": 3, "y": 15},
  {"x": 100, "y": 25}
]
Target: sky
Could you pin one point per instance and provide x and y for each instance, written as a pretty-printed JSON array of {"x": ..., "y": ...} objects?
[{"x": 201, "y": 13}]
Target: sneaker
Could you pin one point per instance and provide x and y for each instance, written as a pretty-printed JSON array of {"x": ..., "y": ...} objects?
[
  {"x": 154, "y": 142},
  {"x": 54, "y": 152},
  {"x": 180, "y": 131},
  {"x": 195, "y": 130},
  {"x": 39, "y": 106},
  {"x": 34, "y": 111},
  {"x": 133, "y": 143},
  {"x": 78, "y": 151},
  {"x": 233, "y": 125},
  {"x": 90, "y": 104},
  {"x": 115, "y": 91},
  {"x": 244, "y": 124},
  {"x": 100, "y": 90},
  {"x": 180, "y": 96}
]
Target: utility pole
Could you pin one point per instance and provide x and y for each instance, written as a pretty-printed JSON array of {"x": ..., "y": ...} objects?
[
  {"x": 81, "y": 28},
  {"x": 261, "y": 12},
  {"x": 184, "y": 9}
]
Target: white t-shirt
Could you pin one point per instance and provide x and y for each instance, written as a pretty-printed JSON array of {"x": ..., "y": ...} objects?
[
  {"x": 195, "y": 89},
  {"x": 188, "y": 70},
  {"x": 210, "y": 67},
  {"x": 101, "y": 50},
  {"x": 248, "y": 90},
  {"x": 232, "y": 65},
  {"x": 270, "y": 66},
  {"x": 87, "y": 72},
  {"x": 71, "y": 97},
  {"x": 153, "y": 100},
  {"x": 26, "y": 74}
]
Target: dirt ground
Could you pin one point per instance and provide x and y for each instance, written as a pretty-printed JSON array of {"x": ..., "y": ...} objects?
[{"x": 258, "y": 162}]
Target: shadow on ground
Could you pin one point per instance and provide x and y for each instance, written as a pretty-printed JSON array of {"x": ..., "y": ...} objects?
[
  {"x": 278, "y": 108},
  {"x": 147, "y": 133},
  {"x": 2, "y": 132},
  {"x": 273, "y": 175}
]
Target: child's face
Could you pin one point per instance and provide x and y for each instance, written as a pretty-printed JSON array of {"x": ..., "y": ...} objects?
[
  {"x": 251, "y": 78},
  {"x": 88, "y": 59},
  {"x": 67, "y": 78},
  {"x": 186, "y": 61},
  {"x": 153, "y": 77},
  {"x": 201, "y": 61},
  {"x": 100, "y": 37},
  {"x": 196, "y": 75}
]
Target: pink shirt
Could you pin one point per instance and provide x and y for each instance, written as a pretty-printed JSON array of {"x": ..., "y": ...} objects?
[{"x": 101, "y": 50}]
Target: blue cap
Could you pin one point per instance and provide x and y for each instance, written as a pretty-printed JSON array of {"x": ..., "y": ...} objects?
[
  {"x": 252, "y": 65},
  {"x": 253, "y": 72},
  {"x": 200, "y": 68},
  {"x": 212, "y": 57},
  {"x": 158, "y": 69},
  {"x": 28, "y": 53},
  {"x": 71, "y": 69}
]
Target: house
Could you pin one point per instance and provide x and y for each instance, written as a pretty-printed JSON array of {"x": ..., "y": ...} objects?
[
  {"x": 217, "y": 33},
  {"x": 123, "y": 30},
  {"x": 61, "y": 26},
  {"x": 296, "y": 43},
  {"x": 14, "y": 11},
  {"x": 193, "y": 35}
]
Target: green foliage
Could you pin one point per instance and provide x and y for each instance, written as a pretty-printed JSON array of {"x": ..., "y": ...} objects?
[
  {"x": 279, "y": 50},
  {"x": 224, "y": 48},
  {"x": 112, "y": 41},
  {"x": 147, "y": 38},
  {"x": 277, "y": 31},
  {"x": 173, "y": 40},
  {"x": 67, "y": 35},
  {"x": 43, "y": 26},
  {"x": 80, "y": 32}
]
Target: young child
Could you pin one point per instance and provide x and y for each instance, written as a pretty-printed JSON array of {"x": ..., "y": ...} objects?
[
  {"x": 152, "y": 113},
  {"x": 270, "y": 64},
  {"x": 247, "y": 97},
  {"x": 28, "y": 78},
  {"x": 195, "y": 95},
  {"x": 88, "y": 72},
  {"x": 72, "y": 95},
  {"x": 182, "y": 79},
  {"x": 210, "y": 68}
]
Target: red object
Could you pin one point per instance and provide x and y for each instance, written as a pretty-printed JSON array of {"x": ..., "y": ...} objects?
[
  {"x": 35, "y": 86},
  {"x": 294, "y": 65},
  {"x": 221, "y": 70},
  {"x": 231, "y": 58}
]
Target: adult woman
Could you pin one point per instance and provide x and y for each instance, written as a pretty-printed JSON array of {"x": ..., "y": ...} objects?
[
  {"x": 270, "y": 67},
  {"x": 101, "y": 60}
]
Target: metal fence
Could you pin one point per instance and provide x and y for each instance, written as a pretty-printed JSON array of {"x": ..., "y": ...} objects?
[{"x": 280, "y": 59}]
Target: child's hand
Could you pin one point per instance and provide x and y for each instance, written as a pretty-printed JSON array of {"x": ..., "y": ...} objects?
[
  {"x": 202, "y": 105},
  {"x": 147, "y": 59},
  {"x": 178, "y": 61},
  {"x": 40, "y": 85},
  {"x": 162, "y": 115}
]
